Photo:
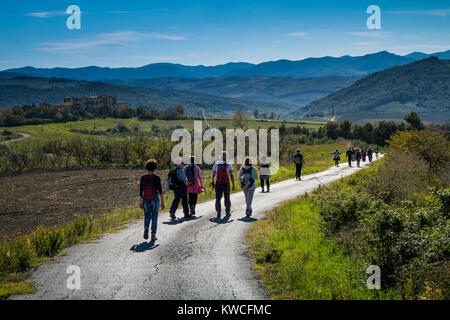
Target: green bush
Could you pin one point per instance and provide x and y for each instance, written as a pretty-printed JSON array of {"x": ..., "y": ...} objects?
[{"x": 47, "y": 242}]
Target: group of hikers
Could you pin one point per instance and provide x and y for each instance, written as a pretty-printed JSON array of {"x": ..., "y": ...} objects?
[
  {"x": 187, "y": 184},
  {"x": 355, "y": 153}
]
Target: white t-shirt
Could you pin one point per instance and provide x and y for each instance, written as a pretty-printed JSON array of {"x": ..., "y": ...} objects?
[{"x": 229, "y": 167}]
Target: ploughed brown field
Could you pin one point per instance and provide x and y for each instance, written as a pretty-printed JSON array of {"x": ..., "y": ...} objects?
[{"x": 32, "y": 199}]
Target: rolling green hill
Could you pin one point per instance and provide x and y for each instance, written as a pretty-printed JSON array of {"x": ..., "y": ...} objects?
[
  {"x": 29, "y": 90},
  {"x": 422, "y": 86},
  {"x": 287, "y": 91}
]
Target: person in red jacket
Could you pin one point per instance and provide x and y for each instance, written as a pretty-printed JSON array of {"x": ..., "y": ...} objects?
[{"x": 151, "y": 197}]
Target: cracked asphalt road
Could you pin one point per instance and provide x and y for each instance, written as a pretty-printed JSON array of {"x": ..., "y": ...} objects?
[{"x": 192, "y": 259}]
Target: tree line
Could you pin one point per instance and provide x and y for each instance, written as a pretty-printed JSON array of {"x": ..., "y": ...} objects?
[{"x": 42, "y": 114}]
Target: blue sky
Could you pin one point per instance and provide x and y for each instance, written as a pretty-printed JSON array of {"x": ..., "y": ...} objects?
[{"x": 135, "y": 33}]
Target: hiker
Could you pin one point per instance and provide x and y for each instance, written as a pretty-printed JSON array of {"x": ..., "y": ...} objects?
[
  {"x": 337, "y": 157},
  {"x": 264, "y": 173},
  {"x": 358, "y": 157},
  {"x": 151, "y": 197},
  {"x": 376, "y": 152},
  {"x": 177, "y": 182},
  {"x": 247, "y": 179},
  {"x": 349, "y": 155},
  {"x": 195, "y": 185},
  {"x": 221, "y": 176},
  {"x": 299, "y": 161},
  {"x": 370, "y": 154},
  {"x": 363, "y": 154}
]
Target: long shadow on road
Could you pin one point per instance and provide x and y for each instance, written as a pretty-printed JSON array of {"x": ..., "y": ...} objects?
[{"x": 144, "y": 246}]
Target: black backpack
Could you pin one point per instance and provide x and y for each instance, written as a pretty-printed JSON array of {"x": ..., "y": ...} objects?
[
  {"x": 190, "y": 174},
  {"x": 172, "y": 179}
]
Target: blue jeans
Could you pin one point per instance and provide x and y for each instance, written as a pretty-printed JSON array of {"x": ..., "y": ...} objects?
[{"x": 151, "y": 208}]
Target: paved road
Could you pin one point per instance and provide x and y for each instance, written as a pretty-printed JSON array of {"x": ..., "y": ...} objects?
[
  {"x": 24, "y": 136},
  {"x": 195, "y": 259}
]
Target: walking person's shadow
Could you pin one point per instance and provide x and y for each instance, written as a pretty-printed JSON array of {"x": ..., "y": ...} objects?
[
  {"x": 224, "y": 220},
  {"x": 144, "y": 246},
  {"x": 248, "y": 219},
  {"x": 181, "y": 220}
]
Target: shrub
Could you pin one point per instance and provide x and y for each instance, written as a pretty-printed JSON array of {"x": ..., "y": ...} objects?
[{"x": 47, "y": 242}]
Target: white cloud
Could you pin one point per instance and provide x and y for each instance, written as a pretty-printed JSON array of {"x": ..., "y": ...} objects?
[
  {"x": 370, "y": 34},
  {"x": 121, "y": 38},
  {"x": 46, "y": 14},
  {"x": 367, "y": 43},
  {"x": 298, "y": 34},
  {"x": 434, "y": 12}
]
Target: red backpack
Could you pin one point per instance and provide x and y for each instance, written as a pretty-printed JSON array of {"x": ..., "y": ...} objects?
[
  {"x": 149, "y": 188},
  {"x": 222, "y": 173}
]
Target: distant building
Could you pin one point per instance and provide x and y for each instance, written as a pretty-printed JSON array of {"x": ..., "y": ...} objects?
[{"x": 94, "y": 101}]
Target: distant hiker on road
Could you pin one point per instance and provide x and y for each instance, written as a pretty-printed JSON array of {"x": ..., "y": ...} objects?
[
  {"x": 177, "y": 182},
  {"x": 298, "y": 161},
  {"x": 264, "y": 173},
  {"x": 376, "y": 152},
  {"x": 221, "y": 176},
  {"x": 337, "y": 157},
  {"x": 349, "y": 155},
  {"x": 151, "y": 197},
  {"x": 247, "y": 179},
  {"x": 370, "y": 154},
  {"x": 195, "y": 184},
  {"x": 363, "y": 154},
  {"x": 358, "y": 157}
]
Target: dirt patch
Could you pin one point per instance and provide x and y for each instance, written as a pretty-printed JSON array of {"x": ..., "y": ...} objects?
[{"x": 53, "y": 198}]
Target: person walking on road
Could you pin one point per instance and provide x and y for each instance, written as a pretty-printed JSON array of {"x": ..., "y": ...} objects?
[
  {"x": 370, "y": 154},
  {"x": 195, "y": 184},
  {"x": 358, "y": 157},
  {"x": 221, "y": 176},
  {"x": 247, "y": 179},
  {"x": 337, "y": 157},
  {"x": 178, "y": 183},
  {"x": 298, "y": 161},
  {"x": 349, "y": 155},
  {"x": 376, "y": 152},
  {"x": 264, "y": 173},
  {"x": 151, "y": 198}
]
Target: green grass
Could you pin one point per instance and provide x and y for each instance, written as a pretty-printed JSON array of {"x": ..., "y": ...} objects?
[
  {"x": 296, "y": 261},
  {"x": 11, "y": 288},
  {"x": 46, "y": 131}
]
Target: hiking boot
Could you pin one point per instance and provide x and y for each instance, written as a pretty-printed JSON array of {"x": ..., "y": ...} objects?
[
  {"x": 187, "y": 215},
  {"x": 268, "y": 190},
  {"x": 228, "y": 214},
  {"x": 262, "y": 190},
  {"x": 248, "y": 212},
  {"x": 154, "y": 238},
  {"x": 218, "y": 215},
  {"x": 145, "y": 234},
  {"x": 172, "y": 216}
]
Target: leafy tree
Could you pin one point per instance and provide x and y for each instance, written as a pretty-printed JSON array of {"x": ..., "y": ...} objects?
[
  {"x": 240, "y": 118},
  {"x": 430, "y": 145},
  {"x": 331, "y": 129},
  {"x": 414, "y": 120}
]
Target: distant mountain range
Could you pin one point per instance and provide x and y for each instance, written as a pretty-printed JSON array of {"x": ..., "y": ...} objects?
[
  {"x": 286, "y": 91},
  {"x": 29, "y": 90},
  {"x": 311, "y": 67},
  {"x": 422, "y": 86}
]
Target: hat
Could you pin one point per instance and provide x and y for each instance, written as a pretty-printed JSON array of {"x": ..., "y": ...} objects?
[{"x": 178, "y": 161}]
